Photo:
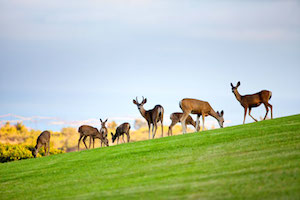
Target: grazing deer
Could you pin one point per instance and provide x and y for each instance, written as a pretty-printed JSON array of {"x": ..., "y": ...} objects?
[
  {"x": 121, "y": 130},
  {"x": 42, "y": 140},
  {"x": 175, "y": 118},
  {"x": 89, "y": 131},
  {"x": 253, "y": 100},
  {"x": 198, "y": 107},
  {"x": 152, "y": 116}
]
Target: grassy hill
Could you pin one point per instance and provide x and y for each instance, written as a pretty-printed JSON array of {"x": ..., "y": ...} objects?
[{"x": 253, "y": 161}]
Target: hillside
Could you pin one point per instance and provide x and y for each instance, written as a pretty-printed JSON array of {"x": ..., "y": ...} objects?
[{"x": 253, "y": 161}]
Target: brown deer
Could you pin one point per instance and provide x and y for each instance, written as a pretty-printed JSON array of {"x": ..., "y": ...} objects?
[
  {"x": 121, "y": 130},
  {"x": 175, "y": 118},
  {"x": 89, "y": 131},
  {"x": 42, "y": 141},
  {"x": 103, "y": 132},
  {"x": 152, "y": 116},
  {"x": 253, "y": 100},
  {"x": 198, "y": 107}
]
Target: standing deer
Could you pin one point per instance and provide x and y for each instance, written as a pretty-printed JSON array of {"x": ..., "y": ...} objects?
[
  {"x": 152, "y": 116},
  {"x": 175, "y": 118},
  {"x": 42, "y": 141},
  {"x": 253, "y": 100},
  {"x": 103, "y": 132},
  {"x": 121, "y": 130},
  {"x": 89, "y": 131},
  {"x": 198, "y": 107}
]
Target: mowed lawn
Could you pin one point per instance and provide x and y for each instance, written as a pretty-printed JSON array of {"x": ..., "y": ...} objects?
[{"x": 253, "y": 161}]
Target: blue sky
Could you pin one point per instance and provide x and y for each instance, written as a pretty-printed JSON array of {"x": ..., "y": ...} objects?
[{"x": 64, "y": 63}]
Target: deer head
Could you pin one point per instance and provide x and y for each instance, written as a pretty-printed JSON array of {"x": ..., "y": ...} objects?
[
  {"x": 139, "y": 105},
  {"x": 35, "y": 152},
  {"x": 103, "y": 122},
  {"x": 220, "y": 118},
  {"x": 106, "y": 142},
  {"x": 234, "y": 88},
  {"x": 113, "y": 137}
]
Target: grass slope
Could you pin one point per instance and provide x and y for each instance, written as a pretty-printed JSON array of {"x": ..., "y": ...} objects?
[{"x": 253, "y": 161}]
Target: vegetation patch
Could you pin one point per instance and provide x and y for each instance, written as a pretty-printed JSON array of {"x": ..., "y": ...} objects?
[{"x": 252, "y": 161}]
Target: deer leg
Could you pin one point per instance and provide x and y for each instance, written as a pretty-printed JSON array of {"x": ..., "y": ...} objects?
[
  {"x": 48, "y": 145},
  {"x": 162, "y": 128},
  {"x": 198, "y": 123},
  {"x": 170, "y": 132},
  {"x": 90, "y": 142},
  {"x": 128, "y": 137},
  {"x": 267, "y": 109},
  {"x": 154, "y": 128},
  {"x": 245, "y": 110},
  {"x": 45, "y": 148},
  {"x": 84, "y": 138},
  {"x": 79, "y": 141},
  {"x": 93, "y": 143},
  {"x": 251, "y": 115},
  {"x": 118, "y": 140},
  {"x": 271, "y": 110},
  {"x": 183, "y": 123},
  {"x": 149, "y": 127},
  {"x": 203, "y": 119},
  {"x": 123, "y": 138}
]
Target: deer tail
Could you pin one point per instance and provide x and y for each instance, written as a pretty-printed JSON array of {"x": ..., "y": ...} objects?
[
  {"x": 270, "y": 95},
  {"x": 160, "y": 112},
  {"x": 180, "y": 104}
]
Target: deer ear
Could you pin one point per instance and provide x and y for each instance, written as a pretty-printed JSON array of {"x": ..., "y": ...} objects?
[
  {"x": 134, "y": 101},
  {"x": 145, "y": 101},
  {"x": 238, "y": 84},
  {"x": 231, "y": 85},
  {"x": 105, "y": 120},
  {"x": 218, "y": 113},
  {"x": 100, "y": 120},
  {"x": 222, "y": 113}
]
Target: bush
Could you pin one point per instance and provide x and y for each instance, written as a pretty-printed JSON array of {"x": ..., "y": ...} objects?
[{"x": 9, "y": 152}]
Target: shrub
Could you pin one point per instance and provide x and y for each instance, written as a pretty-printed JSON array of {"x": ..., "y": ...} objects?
[{"x": 10, "y": 152}]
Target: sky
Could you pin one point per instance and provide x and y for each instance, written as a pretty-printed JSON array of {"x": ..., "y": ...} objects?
[{"x": 67, "y": 63}]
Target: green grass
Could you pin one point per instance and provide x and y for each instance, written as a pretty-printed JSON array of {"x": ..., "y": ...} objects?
[{"x": 253, "y": 161}]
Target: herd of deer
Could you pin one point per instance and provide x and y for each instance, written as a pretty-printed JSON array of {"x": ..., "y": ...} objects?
[{"x": 155, "y": 115}]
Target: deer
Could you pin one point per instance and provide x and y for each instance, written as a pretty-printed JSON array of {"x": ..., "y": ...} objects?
[
  {"x": 195, "y": 106},
  {"x": 121, "y": 130},
  {"x": 92, "y": 132},
  {"x": 152, "y": 116},
  {"x": 42, "y": 141},
  {"x": 175, "y": 118},
  {"x": 103, "y": 132},
  {"x": 253, "y": 100}
]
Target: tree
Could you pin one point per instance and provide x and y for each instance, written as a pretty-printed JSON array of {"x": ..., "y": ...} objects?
[
  {"x": 138, "y": 123},
  {"x": 112, "y": 125}
]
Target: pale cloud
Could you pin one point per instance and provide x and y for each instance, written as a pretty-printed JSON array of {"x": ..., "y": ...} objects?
[
  {"x": 12, "y": 118},
  {"x": 233, "y": 20}
]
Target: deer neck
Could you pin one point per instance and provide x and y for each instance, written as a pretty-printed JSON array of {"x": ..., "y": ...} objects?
[
  {"x": 214, "y": 114},
  {"x": 237, "y": 95},
  {"x": 143, "y": 111},
  {"x": 38, "y": 146}
]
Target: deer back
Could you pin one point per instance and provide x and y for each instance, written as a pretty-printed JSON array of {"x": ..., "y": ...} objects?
[
  {"x": 256, "y": 99},
  {"x": 123, "y": 128},
  {"x": 155, "y": 114},
  {"x": 195, "y": 106},
  {"x": 88, "y": 130},
  {"x": 175, "y": 117},
  {"x": 43, "y": 138}
]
